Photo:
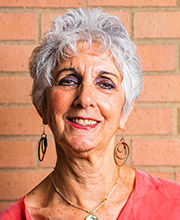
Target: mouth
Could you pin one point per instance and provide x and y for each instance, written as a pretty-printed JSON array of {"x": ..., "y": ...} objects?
[{"x": 83, "y": 123}]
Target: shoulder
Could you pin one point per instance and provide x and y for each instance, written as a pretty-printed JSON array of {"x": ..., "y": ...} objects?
[
  {"x": 16, "y": 211},
  {"x": 157, "y": 185},
  {"x": 160, "y": 196},
  {"x": 40, "y": 195}
]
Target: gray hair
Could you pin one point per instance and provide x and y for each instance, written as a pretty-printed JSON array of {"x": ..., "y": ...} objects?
[{"x": 89, "y": 25}]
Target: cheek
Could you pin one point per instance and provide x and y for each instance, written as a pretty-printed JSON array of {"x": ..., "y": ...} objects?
[
  {"x": 60, "y": 101},
  {"x": 111, "y": 106}
]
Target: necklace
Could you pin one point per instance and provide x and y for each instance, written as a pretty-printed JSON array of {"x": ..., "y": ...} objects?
[{"x": 91, "y": 215}]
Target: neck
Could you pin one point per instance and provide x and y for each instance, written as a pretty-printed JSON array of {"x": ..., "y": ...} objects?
[{"x": 81, "y": 178}]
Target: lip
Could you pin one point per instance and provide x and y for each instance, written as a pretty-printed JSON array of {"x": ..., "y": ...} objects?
[
  {"x": 88, "y": 127},
  {"x": 84, "y": 118}
]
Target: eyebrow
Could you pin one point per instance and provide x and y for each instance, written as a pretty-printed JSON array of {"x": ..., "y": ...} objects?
[
  {"x": 109, "y": 73},
  {"x": 76, "y": 72},
  {"x": 65, "y": 70}
]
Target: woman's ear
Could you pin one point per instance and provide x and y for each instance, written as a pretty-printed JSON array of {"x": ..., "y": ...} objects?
[
  {"x": 125, "y": 116},
  {"x": 42, "y": 114},
  {"x": 43, "y": 110}
]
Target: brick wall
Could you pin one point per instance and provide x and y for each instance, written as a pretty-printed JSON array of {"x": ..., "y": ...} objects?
[{"x": 153, "y": 130}]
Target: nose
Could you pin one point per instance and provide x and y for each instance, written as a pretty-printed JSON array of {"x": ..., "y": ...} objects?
[{"x": 85, "y": 97}]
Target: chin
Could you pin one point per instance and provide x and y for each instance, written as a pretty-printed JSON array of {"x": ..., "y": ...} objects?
[
  {"x": 81, "y": 148},
  {"x": 78, "y": 148},
  {"x": 80, "y": 143}
]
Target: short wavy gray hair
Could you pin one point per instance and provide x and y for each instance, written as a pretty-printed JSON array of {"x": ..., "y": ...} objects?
[{"x": 89, "y": 25}]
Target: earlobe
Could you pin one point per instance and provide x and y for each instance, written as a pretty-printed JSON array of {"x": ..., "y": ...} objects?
[
  {"x": 45, "y": 121},
  {"x": 123, "y": 121},
  {"x": 125, "y": 117},
  {"x": 42, "y": 112}
]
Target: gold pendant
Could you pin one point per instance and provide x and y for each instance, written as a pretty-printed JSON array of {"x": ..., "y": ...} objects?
[{"x": 91, "y": 217}]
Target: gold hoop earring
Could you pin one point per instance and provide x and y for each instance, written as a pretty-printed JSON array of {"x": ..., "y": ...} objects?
[
  {"x": 121, "y": 152},
  {"x": 42, "y": 145}
]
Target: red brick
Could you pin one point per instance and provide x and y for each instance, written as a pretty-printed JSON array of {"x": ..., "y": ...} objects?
[
  {"x": 150, "y": 121},
  {"x": 157, "y": 57},
  {"x": 4, "y": 205},
  {"x": 161, "y": 175},
  {"x": 162, "y": 152},
  {"x": 20, "y": 121},
  {"x": 40, "y": 3},
  {"x": 179, "y": 120},
  {"x": 14, "y": 185},
  {"x": 18, "y": 26},
  {"x": 161, "y": 88},
  {"x": 16, "y": 154},
  {"x": 50, "y": 157},
  {"x": 157, "y": 24},
  {"x": 15, "y": 57},
  {"x": 131, "y": 3},
  {"x": 15, "y": 89},
  {"x": 178, "y": 177}
]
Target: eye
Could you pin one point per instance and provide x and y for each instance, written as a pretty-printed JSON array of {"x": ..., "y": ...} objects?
[
  {"x": 105, "y": 83},
  {"x": 70, "y": 80}
]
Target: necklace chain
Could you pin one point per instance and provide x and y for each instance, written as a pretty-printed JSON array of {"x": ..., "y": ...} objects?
[{"x": 57, "y": 189}]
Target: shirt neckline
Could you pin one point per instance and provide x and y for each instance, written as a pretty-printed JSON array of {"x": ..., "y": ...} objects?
[{"x": 130, "y": 197}]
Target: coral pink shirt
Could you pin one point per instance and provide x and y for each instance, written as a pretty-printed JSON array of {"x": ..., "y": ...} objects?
[{"x": 151, "y": 199}]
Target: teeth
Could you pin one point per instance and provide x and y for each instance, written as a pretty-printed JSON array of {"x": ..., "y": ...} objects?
[{"x": 84, "y": 122}]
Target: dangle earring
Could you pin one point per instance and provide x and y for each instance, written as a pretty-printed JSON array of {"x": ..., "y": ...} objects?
[
  {"x": 42, "y": 145},
  {"x": 121, "y": 152}
]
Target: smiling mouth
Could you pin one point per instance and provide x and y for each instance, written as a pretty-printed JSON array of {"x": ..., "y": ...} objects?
[{"x": 83, "y": 123}]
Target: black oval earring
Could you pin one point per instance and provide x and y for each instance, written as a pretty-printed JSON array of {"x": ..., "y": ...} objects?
[{"x": 42, "y": 145}]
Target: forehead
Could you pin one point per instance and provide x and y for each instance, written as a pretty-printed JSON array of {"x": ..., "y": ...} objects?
[{"x": 90, "y": 57}]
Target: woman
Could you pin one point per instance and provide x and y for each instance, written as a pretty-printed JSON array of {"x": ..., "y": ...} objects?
[{"x": 86, "y": 79}]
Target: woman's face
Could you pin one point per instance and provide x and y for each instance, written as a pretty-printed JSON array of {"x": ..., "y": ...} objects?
[{"x": 84, "y": 106}]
